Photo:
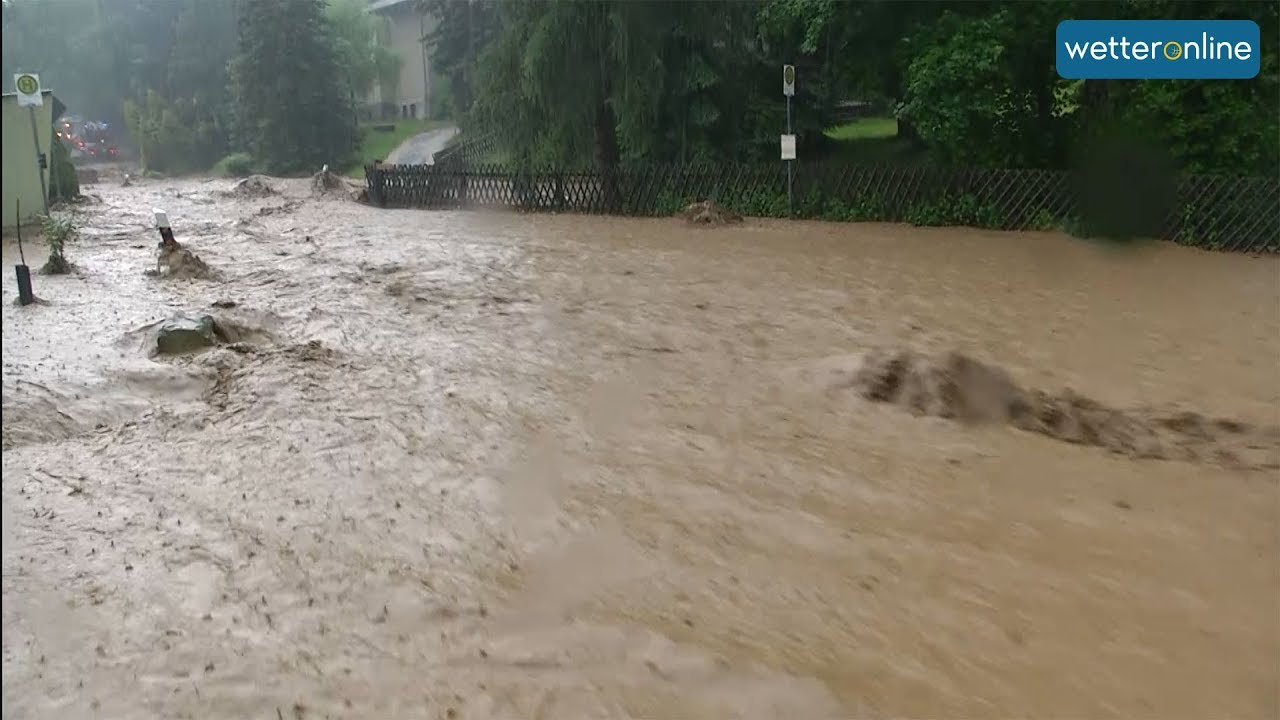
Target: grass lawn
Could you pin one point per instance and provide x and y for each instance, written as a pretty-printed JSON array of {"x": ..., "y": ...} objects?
[
  {"x": 865, "y": 128},
  {"x": 377, "y": 145},
  {"x": 873, "y": 141}
]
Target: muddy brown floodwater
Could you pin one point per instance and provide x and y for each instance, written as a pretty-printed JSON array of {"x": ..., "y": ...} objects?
[{"x": 471, "y": 465}]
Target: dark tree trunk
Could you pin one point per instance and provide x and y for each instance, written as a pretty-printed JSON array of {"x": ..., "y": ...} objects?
[
  {"x": 607, "y": 154},
  {"x": 606, "y": 137},
  {"x": 907, "y": 131}
]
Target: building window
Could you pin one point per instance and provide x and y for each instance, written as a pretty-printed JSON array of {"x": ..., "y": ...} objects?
[
  {"x": 413, "y": 110},
  {"x": 404, "y": 111}
]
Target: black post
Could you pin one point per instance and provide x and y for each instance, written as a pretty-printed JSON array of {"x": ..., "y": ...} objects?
[
  {"x": 26, "y": 295},
  {"x": 373, "y": 178},
  {"x": 166, "y": 233},
  {"x": 41, "y": 162},
  {"x": 790, "y": 211}
]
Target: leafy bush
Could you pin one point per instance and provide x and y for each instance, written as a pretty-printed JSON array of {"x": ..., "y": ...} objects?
[
  {"x": 964, "y": 210},
  {"x": 175, "y": 137},
  {"x": 1044, "y": 220},
  {"x": 63, "y": 183},
  {"x": 58, "y": 231},
  {"x": 234, "y": 165}
]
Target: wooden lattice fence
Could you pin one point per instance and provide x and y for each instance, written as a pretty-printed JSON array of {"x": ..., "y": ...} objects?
[
  {"x": 1217, "y": 212},
  {"x": 466, "y": 152}
]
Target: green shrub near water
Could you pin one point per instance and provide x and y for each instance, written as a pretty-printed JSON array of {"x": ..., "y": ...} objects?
[
  {"x": 64, "y": 185},
  {"x": 957, "y": 210},
  {"x": 235, "y": 165},
  {"x": 58, "y": 231}
]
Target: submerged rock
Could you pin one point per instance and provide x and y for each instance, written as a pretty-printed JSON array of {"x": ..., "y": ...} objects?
[{"x": 186, "y": 333}]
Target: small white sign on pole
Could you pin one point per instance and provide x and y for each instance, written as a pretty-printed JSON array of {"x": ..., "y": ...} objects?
[
  {"x": 788, "y": 80},
  {"x": 788, "y": 147},
  {"x": 28, "y": 87}
]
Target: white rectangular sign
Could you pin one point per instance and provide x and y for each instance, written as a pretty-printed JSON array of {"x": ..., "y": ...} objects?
[
  {"x": 27, "y": 86},
  {"x": 788, "y": 80},
  {"x": 788, "y": 147}
]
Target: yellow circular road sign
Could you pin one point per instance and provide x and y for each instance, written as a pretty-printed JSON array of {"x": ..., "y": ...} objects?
[{"x": 27, "y": 84}]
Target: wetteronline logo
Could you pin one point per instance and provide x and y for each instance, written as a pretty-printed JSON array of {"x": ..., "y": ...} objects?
[{"x": 1158, "y": 49}]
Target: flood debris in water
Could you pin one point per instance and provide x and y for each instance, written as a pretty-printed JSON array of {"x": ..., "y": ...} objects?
[
  {"x": 325, "y": 182},
  {"x": 176, "y": 261},
  {"x": 328, "y": 184},
  {"x": 252, "y": 187},
  {"x": 958, "y": 387},
  {"x": 286, "y": 207},
  {"x": 709, "y": 212}
]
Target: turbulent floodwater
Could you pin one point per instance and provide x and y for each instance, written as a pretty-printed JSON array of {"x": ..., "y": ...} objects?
[{"x": 477, "y": 465}]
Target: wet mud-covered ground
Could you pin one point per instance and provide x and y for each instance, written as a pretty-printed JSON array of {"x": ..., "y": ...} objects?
[{"x": 488, "y": 465}]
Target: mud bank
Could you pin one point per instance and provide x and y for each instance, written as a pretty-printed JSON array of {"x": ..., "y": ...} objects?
[{"x": 467, "y": 465}]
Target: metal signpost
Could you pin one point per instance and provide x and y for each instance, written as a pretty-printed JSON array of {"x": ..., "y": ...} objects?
[
  {"x": 789, "y": 140},
  {"x": 31, "y": 97}
]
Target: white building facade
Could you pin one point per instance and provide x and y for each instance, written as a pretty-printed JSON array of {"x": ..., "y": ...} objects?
[{"x": 402, "y": 27}]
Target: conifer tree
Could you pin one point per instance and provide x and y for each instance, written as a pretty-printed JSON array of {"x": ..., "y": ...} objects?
[{"x": 292, "y": 109}]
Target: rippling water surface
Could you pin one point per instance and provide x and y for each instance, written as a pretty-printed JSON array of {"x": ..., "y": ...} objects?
[{"x": 501, "y": 466}]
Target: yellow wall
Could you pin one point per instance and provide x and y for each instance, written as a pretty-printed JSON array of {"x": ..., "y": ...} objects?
[{"x": 18, "y": 158}]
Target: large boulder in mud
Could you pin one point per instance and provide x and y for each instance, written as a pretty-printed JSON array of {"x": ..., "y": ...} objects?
[{"x": 183, "y": 334}]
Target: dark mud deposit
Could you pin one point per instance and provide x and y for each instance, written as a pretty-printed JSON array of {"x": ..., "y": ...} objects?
[{"x": 467, "y": 465}]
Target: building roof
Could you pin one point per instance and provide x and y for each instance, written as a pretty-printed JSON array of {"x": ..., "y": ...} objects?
[{"x": 378, "y": 5}]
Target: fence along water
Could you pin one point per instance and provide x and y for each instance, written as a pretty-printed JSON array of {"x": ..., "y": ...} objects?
[{"x": 1213, "y": 212}]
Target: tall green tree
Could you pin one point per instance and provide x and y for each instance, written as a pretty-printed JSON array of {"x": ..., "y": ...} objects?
[
  {"x": 157, "y": 67},
  {"x": 464, "y": 28},
  {"x": 292, "y": 102},
  {"x": 559, "y": 73},
  {"x": 363, "y": 61},
  {"x": 68, "y": 44},
  {"x": 642, "y": 80}
]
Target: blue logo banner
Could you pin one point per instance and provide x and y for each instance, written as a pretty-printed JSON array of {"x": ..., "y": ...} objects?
[{"x": 1158, "y": 49}]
